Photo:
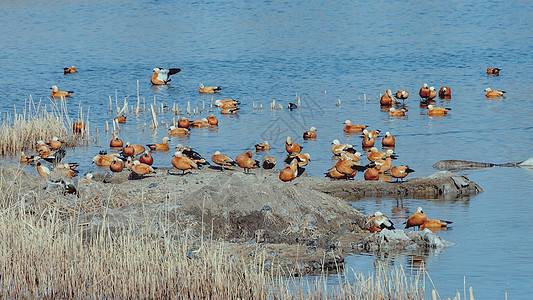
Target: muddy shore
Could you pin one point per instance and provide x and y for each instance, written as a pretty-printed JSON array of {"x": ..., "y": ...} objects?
[{"x": 306, "y": 225}]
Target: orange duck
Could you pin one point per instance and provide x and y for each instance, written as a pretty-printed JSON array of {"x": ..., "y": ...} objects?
[
  {"x": 56, "y": 93},
  {"x": 161, "y": 76},
  {"x": 246, "y": 162},
  {"x": 416, "y": 219},
  {"x": 292, "y": 147},
  {"x": 290, "y": 172}
]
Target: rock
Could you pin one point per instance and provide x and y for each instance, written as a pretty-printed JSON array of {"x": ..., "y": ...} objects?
[
  {"x": 399, "y": 239},
  {"x": 442, "y": 184},
  {"x": 527, "y": 163}
]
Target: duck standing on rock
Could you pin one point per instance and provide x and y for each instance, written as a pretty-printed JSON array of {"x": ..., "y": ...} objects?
[
  {"x": 434, "y": 225},
  {"x": 379, "y": 221},
  {"x": 400, "y": 172},
  {"x": 416, "y": 219}
]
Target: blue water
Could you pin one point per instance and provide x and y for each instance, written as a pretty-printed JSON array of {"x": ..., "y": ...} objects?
[{"x": 259, "y": 52}]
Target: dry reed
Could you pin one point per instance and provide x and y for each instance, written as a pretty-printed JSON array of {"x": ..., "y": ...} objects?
[
  {"x": 37, "y": 121},
  {"x": 46, "y": 253}
]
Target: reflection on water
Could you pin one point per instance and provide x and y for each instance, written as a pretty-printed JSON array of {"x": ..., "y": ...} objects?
[{"x": 280, "y": 51}]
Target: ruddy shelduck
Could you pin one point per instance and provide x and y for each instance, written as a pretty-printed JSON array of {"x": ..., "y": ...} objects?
[
  {"x": 27, "y": 158},
  {"x": 434, "y": 224},
  {"x": 117, "y": 165},
  {"x": 349, "y": 127},
  {"x": 41, "y": 146},
  {"x": 138, "y": 149},
  {"x": 311, "y": 134},
  {"x": 246, "y": 162},
  {"x": 116, "y": 143},
  {"x": 393, "y": 112},
  {"x": 209, "y": 89},
  {"x": 128, "y": 150},
  {"x": 56, "y": 93},
  {"x": 200, "y": 123},
  {"x": 269, "y": 162},
  {"x": 292, "y": 147},
  {"x": 227, "y": 103},
  {"x": 437, "y": 111},
  {"x": 184, "y": 123},
  {"x": 445, "y": 92},
  {"x": 146, "y": 158},
  {"x": 104, "y": 159},
  {"x": 387, "y": 99},
  {"x": 368, "y": 141},
  {"x": 424, "y": 92},
  {"x": 401, "y": 94},
  {"x": 388, "y": 140},
  {"x": 70, "y": 70},
  {"x": 180, "y": 132},
  {"x": 375, "y": 133},
  {"x": 489, "y": 93},
  {"x": 302, "y": 159},
  {"x": 290, "y": 172},
  {"x": 141, "y": 169},
  {"x": 163, "y": 146},
  {"x": 222, "y": 160},
  {"x": 347, "y": 167},
  {"x": 339, "y": 148},
  {"x": 42, "y": 168},
  {"x": 212, "y": 120},
  {"x": 55, "y": 143},
  {"x": 335, "y": 174},
  {"x": 120, "y": 119},
  {"x": 432, "y": 93},
  {"x": 356, "y": 157},
  {"x": 416, "y": 219},
  {"x": 54, "y": 156},
  {"x": 371, "y": 173},
  {"x": 378, "y": 221},
  {"x": 78, "y": 126},
  {"x": 384, "y": 165},
  {"x": 183, "y": 163},
  {"x": 400, "y": 172},
  {"x": 161, "y": 76},
  {"x": 494, "y": 71},
  {"x": 189, "y": 152},
  {"x": 374, "y": 154},
  {"x": 264, "y": 146},
  {"x": 231, "y": 110}
]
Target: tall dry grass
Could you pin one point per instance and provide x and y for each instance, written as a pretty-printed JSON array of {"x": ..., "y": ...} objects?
[
  {"x": 21, "y": 129},
  {"x": 45, "y": 252}
]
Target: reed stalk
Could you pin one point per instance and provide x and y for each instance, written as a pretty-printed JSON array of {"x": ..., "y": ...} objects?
[
  {"x": 20, "y": 130},
  {"x": 46, "y": 252}
]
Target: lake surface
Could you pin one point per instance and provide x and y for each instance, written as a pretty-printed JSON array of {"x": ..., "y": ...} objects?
[{"x": 259, "y": 52}]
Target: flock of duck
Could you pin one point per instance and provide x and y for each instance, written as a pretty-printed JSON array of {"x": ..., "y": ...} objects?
[
  {"x": 378, "y": 221},
  {"x": 138, "y": 159}
]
